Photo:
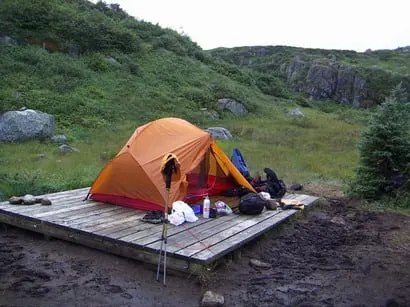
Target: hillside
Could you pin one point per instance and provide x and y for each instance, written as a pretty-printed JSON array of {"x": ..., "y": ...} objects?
[
  {"x": 107, "y": 66},
  {"x": 90, "y": 64},
  {"x": 346, "y": 77},
  {"x": 102, "y": 73}
]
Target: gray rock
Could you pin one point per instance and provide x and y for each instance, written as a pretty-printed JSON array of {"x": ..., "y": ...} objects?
[
  {"x": 59, "y": 139},
  {"x": 15, "y": 200},
  {"x": 296, "y": 113},
  {"x": 219, "y": 133},
  {"x": 67, "y": 149},
  {"x": 111, "y": 60},
  {"x": 259, "y": 264},
  {"x": 25, "y": 124},
  {"x": 45, "y": 202},
  {"x": 29, "y": 199},
  {"x": 296, "y": 187},
  {"x": 212, "y": 299},
  {"x": 40, "y": 156},
  {"x": 18, "y": 95},
  {"x": 231, "y": 105},
  {"x": 338, "y": 220},
  {"x": 73, "y": 51},
  {"x": 7, "y": 40},
  {"x": 210, "y": 114}
]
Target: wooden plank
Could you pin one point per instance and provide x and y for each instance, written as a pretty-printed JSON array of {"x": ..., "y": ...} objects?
[
  {"x": 149, "y": 237},
  {"x": 310, "y": 200},
  {"x": 84, "y": 205},
  {"x": 112, "y": 210},
  {"x": 232, "y": 231},
  {"x": 186, "y": 233},
  {"x": 49, "y": 210},
  {"x": 222, "y": 248},
  {"x": 100, "y": 219},
  {"x": 157, "y": 229},
  {"x": 185, "y": 239},
  {"x": 123, "y": 226},
  {"x": 128, "y": 229},
  {"x": 134, "y": 217},
  {"x": 219, "y": 248},
  {"x": 86, "y": 217},
  {"x": 83, "y": 212}
]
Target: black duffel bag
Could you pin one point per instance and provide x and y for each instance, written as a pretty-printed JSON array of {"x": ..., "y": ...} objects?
[{"x": 252, "y": 204}]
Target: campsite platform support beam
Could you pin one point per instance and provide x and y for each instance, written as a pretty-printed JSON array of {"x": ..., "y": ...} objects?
[{"x": 120, "y": 230}]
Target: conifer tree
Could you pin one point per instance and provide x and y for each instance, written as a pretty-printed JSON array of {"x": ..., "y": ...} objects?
[{"x": 384, "y": 149}]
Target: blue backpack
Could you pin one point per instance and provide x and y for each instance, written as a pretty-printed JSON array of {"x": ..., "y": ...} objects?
[{"x": 238, "y": 160}]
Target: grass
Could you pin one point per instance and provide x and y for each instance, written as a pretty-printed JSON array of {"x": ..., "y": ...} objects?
[{"x": 319, "y": 148}]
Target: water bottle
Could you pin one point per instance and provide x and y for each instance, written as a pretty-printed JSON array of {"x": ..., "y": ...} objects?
[{"x": 206, "y": 207}]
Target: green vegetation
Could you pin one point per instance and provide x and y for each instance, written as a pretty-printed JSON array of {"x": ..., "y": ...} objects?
[
  {"x": 382, "y": 69},
  {"x": 385, "y": 152},
  {"x": 102, "y": 73}
]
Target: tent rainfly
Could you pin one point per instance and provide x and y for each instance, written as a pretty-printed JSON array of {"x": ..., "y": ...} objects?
[{"x": 133, "y": 177}]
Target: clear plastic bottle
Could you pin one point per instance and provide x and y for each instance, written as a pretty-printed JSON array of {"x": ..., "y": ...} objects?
[{"x": 206, "y": 207}]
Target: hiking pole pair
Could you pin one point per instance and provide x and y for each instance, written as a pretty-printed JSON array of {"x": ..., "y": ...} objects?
[{"x": 169, "y": 166}]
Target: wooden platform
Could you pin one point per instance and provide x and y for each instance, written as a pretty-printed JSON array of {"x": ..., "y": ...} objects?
[{"x": 121, "y": 231}]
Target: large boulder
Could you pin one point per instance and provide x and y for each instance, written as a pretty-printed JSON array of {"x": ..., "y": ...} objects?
[
  {"x": 219, "y": 133},
  {"x": 231, "y": 105},
  {"x": 24, "y": 125},
  {"x": 296, "y": 113}
]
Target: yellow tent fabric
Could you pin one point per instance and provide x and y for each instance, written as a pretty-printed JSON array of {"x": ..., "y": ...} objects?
[{"x": 133, "y": 178}]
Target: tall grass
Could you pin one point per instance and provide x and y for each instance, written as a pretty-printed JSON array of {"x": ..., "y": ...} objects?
[{"x": 319, "y": 148}]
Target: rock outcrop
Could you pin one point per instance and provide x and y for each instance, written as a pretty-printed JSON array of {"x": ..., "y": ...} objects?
[
  {"x": 24, "y": 125},
  {"x": 320, "y": 80},
  {"x": 313, "y": 73}
]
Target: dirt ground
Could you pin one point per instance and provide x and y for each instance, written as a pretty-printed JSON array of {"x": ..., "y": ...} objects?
[{"x": 333, "y": 255}]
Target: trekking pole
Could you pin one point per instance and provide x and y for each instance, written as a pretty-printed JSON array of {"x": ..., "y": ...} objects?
[
  {"x": 163, "y": 248},
  {"x": 168, "y": 167}
]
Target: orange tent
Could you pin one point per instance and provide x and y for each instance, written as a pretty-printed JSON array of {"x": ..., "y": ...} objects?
[{"x": 133, "y": 178}]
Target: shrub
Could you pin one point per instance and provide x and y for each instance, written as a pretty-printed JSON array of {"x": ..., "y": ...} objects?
[
  {"x": 384, "y": 150},
  {"x": 97, "y": 62}
]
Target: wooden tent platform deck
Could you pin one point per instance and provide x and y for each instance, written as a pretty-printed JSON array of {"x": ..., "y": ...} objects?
[{"x": 121, "y": 231}]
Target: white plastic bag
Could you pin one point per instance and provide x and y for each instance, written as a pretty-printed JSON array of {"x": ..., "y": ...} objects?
[
  {"x": 264, "y": 195},
  {"x": 184, "y": 209},
  {"x": 176, "y": 218}
]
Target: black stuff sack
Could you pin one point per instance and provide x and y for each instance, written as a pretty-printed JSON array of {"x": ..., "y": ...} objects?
[
  {"x": 275, "y": 187},
  {"x": 252, "y": 204}
]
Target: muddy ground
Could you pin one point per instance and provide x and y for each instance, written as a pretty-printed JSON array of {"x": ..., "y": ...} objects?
[{"x": 333, "y": 255}]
